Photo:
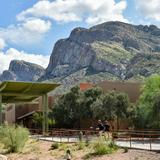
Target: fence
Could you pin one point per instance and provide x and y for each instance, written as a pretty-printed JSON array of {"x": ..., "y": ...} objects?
[
  {"x": 143, "y": 139},
  {"x": 65, "y": 135}
]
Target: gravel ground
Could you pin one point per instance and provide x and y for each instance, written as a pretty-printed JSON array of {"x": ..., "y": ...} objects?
[
  {"x": 40, "y": 151},
  {"x": 132, "y": 155}
]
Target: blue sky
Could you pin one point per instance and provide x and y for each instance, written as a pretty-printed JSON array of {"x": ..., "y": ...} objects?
[{"x": 30, "y": 28}]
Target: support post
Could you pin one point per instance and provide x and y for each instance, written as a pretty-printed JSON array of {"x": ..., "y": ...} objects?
[
  {"x": 43, "y": 109},
  {"x": 45, "y": 113},
  {"x": 0, "y": 109}
]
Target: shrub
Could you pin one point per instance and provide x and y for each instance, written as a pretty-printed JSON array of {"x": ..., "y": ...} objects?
[
  {"x": 87, "y": 143},
  {"x": 81, "y": 145},
  {"x": 111, "y": 144},
  {"x": 13, "y": 138},
  {"x": 125, "y": 149},
  {"x": 38, "y": 119},
  {"x": 54, "y": 146},
  {"x": 102, "y": 147},
  {"x": 63, "y": 146}
]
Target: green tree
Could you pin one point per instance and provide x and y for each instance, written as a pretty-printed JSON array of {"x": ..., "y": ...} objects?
[
  {"x": 38, "y": 119},
  {"x": 103, "y": 108},
  {"x": 74, "y": 106},
  {"x": 147, "y": 112},
  {"x": 66, "y": 110},
  {"x": 150, "y": 88},
  {"x": 121, "y": 107},
  {"x": 111, "y": 106},
  {"x": 88, "y": 98},
  {"x": 156, "y": 111}
]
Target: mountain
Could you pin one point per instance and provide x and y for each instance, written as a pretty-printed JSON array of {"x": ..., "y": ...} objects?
[
  {"x": 112, "y": 50},
  {"x": 22, "y": 71},
  {"x": 108, "y": 51}
]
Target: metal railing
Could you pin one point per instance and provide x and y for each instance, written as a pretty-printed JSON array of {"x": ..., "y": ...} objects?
[
  {"x": 144, "y": 138},
  {"x": 65, "y": 135}
]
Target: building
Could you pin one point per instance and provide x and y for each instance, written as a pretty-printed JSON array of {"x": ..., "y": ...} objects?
[
  {"x": 20, "y": 95},
  {"x": 85, "y": 86},
  {"x": 132, "y": 89},
  {"x": 22, "y": 112}
]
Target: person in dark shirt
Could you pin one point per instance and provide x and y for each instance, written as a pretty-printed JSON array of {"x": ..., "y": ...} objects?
[
  {"x": 107, "y": 129},
  {"x": 100, "y": 126},
  {"x": 106, "y": 126}
]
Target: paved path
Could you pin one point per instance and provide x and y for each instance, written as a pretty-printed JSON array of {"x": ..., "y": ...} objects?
[{"x": 138, "y": 144}]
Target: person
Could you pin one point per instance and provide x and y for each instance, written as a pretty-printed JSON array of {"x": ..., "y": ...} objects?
[
  {"x": 68, "y": 155},
  {"x": 100, "y": 126},
  {"x": 106, "y": 126}
]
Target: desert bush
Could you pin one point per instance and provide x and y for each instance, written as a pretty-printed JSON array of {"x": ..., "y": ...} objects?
[
  {"x": 102, "y": 147},
  {"x": 81, "y": 145},
  {"x": 63, "y": 146},
  {"x": 125, "y": 149},
  {"x": 13, "y": 138},
  {"x": 54, "y": 146}
]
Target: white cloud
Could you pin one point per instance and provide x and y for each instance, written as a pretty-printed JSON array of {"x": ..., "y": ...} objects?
[
  {"x": 12, "y": 54},
  {"x": 90, "y": 11},
  {"x": 27, "y": 32},
  {"x": 2, "y": 44},
  {"x": 37, "y": 25},
  {"x": 149, "y": 9}
]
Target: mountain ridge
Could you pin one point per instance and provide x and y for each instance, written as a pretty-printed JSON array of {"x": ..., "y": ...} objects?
[
  {"x": 112, "y": 50},
  {"x": 20, "y": 70},
  {"x": 109, "y": 47}
]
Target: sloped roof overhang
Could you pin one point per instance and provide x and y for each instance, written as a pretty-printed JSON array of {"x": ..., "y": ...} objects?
[{"x": 14, "y": 92}]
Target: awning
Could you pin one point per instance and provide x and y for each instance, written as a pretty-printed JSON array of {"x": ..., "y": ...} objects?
[
  {"x": 16, "y": 92},
  {"x": 13, "y": 92}
]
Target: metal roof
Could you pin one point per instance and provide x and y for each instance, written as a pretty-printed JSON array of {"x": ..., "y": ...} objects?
[{"x": 13, "y": 91}]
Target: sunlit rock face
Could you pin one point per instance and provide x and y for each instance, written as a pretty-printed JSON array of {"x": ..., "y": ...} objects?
[
  {"x": 22, "y": 71},
  {"x": 119, "y": 50}
]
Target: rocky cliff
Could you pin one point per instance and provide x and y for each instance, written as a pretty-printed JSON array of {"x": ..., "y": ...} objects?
[
  {"x": 112, "y": 50},
  {"x": 22, "y": 71},
  {"x": 122, "y": 51}
]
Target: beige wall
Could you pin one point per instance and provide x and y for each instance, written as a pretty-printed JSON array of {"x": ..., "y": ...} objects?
[
  {"x": 14, "y": 111},
  {"x": 51, "y": 101},
  {"x": 132, "y": 89},
  {"x": 10, "y": 114},
  {"x": 22, "y": 109}
]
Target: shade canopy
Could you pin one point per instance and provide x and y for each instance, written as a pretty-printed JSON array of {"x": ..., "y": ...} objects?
[{"x": 13, "y": 92}]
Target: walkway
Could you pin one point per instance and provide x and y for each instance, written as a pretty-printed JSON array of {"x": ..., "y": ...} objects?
[
  {"x": 143, "y": 144},
  {"x": 138, "y": 144}
]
